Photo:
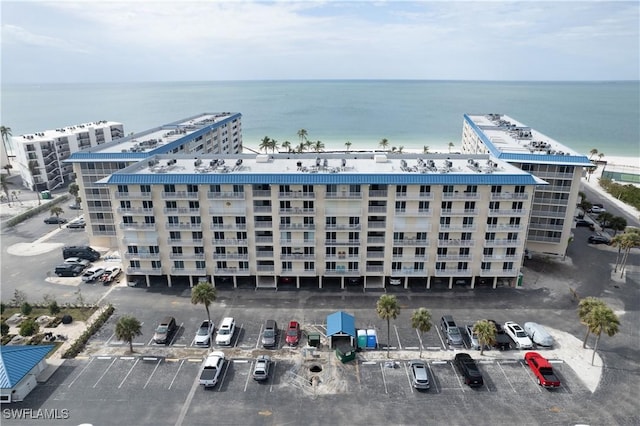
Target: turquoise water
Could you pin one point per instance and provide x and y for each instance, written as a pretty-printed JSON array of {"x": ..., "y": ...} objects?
[{"x": 412, "y": 114}]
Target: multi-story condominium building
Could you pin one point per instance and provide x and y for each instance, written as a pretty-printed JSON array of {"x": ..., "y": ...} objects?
[
  {"x": 322, "y": 219},
  {"x": 50, "y": 148},
  {"x": 219, "y": 133},
  {"x": 554, "y": 205}
]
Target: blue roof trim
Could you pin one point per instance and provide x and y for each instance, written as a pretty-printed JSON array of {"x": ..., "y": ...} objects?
[
  {"x": 341, "y": 322},
  {"x": 17, "y": 361},
  {"x": 323, "y": 179},
  {"x": 572, "y": 160}
]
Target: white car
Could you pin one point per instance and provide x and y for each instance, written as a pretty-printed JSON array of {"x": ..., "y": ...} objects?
[
  {"x": 518, "y": 335},
  {"x": 203, "y": 335},
  {"x": 597, "y": 209},
  {"x": 92, "y": 274},
  {"x": 111, "y": 273},
  {"x": 225, "y": 332},
  {"x": 211, "y": 369},
  {"x": 77, "y": 261}
]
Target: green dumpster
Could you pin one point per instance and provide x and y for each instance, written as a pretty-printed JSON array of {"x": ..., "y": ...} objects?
[
  {"x": 348, "y": 355},
  {"x": 520, "y": 278},
  {"x": 313, "y": 339},
  {"x": 46, "y": 195}
]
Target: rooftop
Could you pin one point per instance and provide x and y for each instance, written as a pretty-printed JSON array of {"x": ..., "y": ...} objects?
[
  {"x": 511, "y": 140},
  {"x": 323, "y": 168},
  {"x": 153, "y": 141},
  {"x": 48, "y": 135}
]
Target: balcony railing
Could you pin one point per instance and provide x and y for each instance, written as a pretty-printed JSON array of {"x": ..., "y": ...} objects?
[
  {"x": 265, "y": 268},
  {"x": 217, "y": 226},
  {"x": 180, "y": 242},
  {"x": 339, "y": 256},
  {"x": 414, "y": 196},
  {"x": 411, "y": 242},
  {"x": 341, "y": 271},
  {"x": 296, "y": 211},
  {"x": 231, "y": 256},
  {"x": 375, "y": 269},
  {"x": 375, "y": 255},
  {"x": 194, "y": 226},
  {"x": 408, "y": 271},
  {"x": 229, "y": 242},
  {"x": 466, "y": 212},
  {"x": 302, "y": 226},
  {"x": 376, "y": 240},
  {"x": 456, "y": 243},
  {"x": 296, "y": 194},
  {"x": 509, "y": 196},
  {"x": 507, "y": 212},
  {"x": 452, "y": 272},
  {"x": 268, "y": 240},
  {"x": 502, "y": 242},
  {"x": 505, "y": 227},
  {"x": 457, "y": 227},
  {"x": 138, "y": 226},
  {"x": 261, "y": 193},
  {"x": 134, "y": 195},
  {"x": 180, "y": 195},
  {"x": 260, "y": 209},
  {"x": 196, "y": 256},
  {"x": 263, "y": 224},
  {"x": 377, "y": 209},
  {"x": 297, "y": 256},
  {"x": 226, "y": 195},
  {"x": 261, "y": 254},
  {"x": 134, "y": 210},
  {"x": 450, "y": 257},
  {"x": 498, "y": 257},
  {"x": 142, "y": 255},
  {"x": 146, "y": 271},
  {"x": 460, "y": 195},
  {"x": 352, "y": 242},
  {"x": 180, "y": 210},
  {"x": 188, "y": 271},
  {"x": 378, "y": 193},
  {"x": 344, "y": 195},
  {"x": 345, "y": 226},
  {"x": 498, "y": 272},
  {"x": 377, "y": 225}
]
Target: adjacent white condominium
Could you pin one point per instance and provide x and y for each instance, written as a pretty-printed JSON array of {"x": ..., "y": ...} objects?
[
  {"x": 322, "y": 220},
  {"x": 554, "y": 205},
  {"x": 40, "y": 156},
  {"x": 219, "y": 133}
]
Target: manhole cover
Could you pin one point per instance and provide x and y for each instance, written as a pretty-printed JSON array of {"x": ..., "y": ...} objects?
[{"x": 315, "y": 369}]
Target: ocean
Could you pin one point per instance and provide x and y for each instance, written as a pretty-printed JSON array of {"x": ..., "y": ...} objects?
[{"x": 411, "y": 114}]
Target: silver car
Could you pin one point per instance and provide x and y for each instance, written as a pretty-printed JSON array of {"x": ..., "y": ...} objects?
[
  {"x": 538, "y": 334},
  {"x": 451, "y": 330},
  {"x": 419, "y": 374}
]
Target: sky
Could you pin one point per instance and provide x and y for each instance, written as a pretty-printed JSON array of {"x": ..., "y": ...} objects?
[{"x": 99, "y": 41}]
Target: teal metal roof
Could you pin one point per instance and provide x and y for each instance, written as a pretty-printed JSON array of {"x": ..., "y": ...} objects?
[
  {"x": 17, "y": 361},
  {"x": 341, "y": 323}
]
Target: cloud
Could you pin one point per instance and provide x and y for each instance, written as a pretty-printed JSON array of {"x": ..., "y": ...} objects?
[{"x": 12, "y": 34}]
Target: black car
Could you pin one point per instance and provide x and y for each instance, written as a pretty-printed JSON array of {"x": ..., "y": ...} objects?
[
  {"x": 69, "y": 270},
  {"x": 469, "y": 370},
  {"x": 55, "y": 220},
  {"x": 585, "y": 223},
  {"x": 599, "y": 239}
]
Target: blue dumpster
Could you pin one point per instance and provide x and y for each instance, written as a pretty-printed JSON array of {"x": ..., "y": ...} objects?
[
  {"x": 362, "y": 339},
  {"x": 372, "y": 339}
]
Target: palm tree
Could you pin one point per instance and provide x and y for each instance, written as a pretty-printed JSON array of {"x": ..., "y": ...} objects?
[
  {"x": 617, "y": 223},
  {"x": 425, "y": 149},
  {"x": 592, "y": 153},
  {"x": 400, "y": 148},
  {"x": 600, "y": 155},
  {"x": 5, "y": 187},
  {"x": 273, "y": 145},
  {"x": 602, "y": 318},
  {"x": 56, "y": 211},
  {"x": 384, "y": 143},
  {"x": 302, "y": 135},
  {"x": 348, "y": 145},
  {"x": 33, "y": 171},
  {"x": 632, "y": 239},
  {"x": 486, "y": 332},
  {"x": 618, "y": 241},
  {"x": 388, "y": 308},
  {"x": 286, "y": 145},
  {"x": 451, "y": 145},
  {"x": 605, "y": 219},
  {"x": 421, "y": 321},
  {"x": 585, "y": 306},
  {"x": 265, "y": 144},
  {"x": 204, "y": 293},
  {"x": 5, "y": 132},
  {"x": 74, "y": 189},
  {"x": 127, "y": 329},
  {"x": 318, "y": 146}
]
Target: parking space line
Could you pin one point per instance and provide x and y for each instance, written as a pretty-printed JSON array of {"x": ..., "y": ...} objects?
[
  {"x": 150, "y": 342},
  {"x": 105, "y": 372},
  {"x": 433, "y": 377},
  {"x": 224, "y": 375},
  {"x": 110, "y": 337},
  {"x": 187, "y": 402},
  {"x": 444, "y": 346},
  {"x": 238, "y": 334},
  {"x": 246, "y": 383},
  {"x": 175, "y": 375},
  {"x": 406, "y": 370},
  {"x": 384, "y": 380},
  {"x": 419, "y": 338},
  {"x": 530, "y": 375},
  {"x": 506, "y": 377},
  {"x": 397, "y": 336},
  {"x": 457, "y": 377},
  {"x": 81, "y": 371},
  {"x": 152, "y": 373},
  {"x": 130, "y": 370},
  {"x": 259, "y": 334},
  {"x": 275, "y": 364}
]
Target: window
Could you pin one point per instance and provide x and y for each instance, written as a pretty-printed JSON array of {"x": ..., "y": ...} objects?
[
  {"x": 507, "y": 266},
  {"x": 238, "y": 189},
  {"x": 401, "y": 206},
  {"x": 169, "y": 188},
  {"x": 467, "y": 222},
  {"x": 331, "y": 220},
  {"x": 442, "y": 251},
  {"x": 425, "y": 189},
  {"x": 196, "y": 220},
  {"x": 174, "y": 235},
  {"x": 147, "y": 204},
  {"x": 519, "y": 189},
  {"x": 396, "y": 266},
  {"x": 494, "y": 205},
  {"x": 192, "y": 188},
  {"x": 214, "y": 188},
  {"x": 462, "y": 266},
  {"x": 446, "y": 205},
  {"x": 173, "y": 220},
  {"x": 310, "y": 266},
  {"x": 492, "y": 221},
  {"x": 488, "y": 251},
  {"x": 464, "y": 251},
  {"x": 198, "y": 250},
  {"x": 178, "y": 264},
  {"x": 123, "y": 188},
  {"x": 469, "y": 206},
  {"x": 217, "y": 220},
  {"x": 441, "y": 266},
  {"x": 418, "y": 266},
  {"x": 447, "y": 189},
  {"x": 423, "y": 205},
  {"x": 511, "y": 251},
  {"x": 125, "y": 204},
  {"x": 471, "y": 189},
  {"x": 201, "y": 264},
  {"x": 496, "y": 189},
  {"x": 516, "y": 205},
  {"x": 445, "y": 220},
  {"x": 398, "y": 236},
  {"x": 421, "y": 236},
  {"x": 134, "y": 263},
  {"x": 514, "y": 221},
  {"x": 443, "y": 236},
  {"x": 490, "y": 236},
  {"x": 127, "y": 219},
  {"x": 465, "y": 236},
  {"x": 196, "y": 235},
  {"x": 194, "y": 204},
  {"x": 485, "y": 266},
  {"x": 149, "y": 219},
  {"x": 176, "y": 250},
  {"x": 401, "y": 190}
]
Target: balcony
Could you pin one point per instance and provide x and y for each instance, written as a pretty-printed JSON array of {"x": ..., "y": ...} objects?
[
  {"x": 377, "y": 225},
  {"x": 508, "y": 212},
  {"x": 143, "y": 271},
  {"x": 139, "y": 226},
  {"x": 344, "y": 195},
  {"x": 297, "y": 226},
  {"x": 226, "y": 195},
  {"x": 180, "y": 210},
  {"x": 505, "y": 227},
  {"x": 340, "y": 256},
  {"x": 263, "y": 224},
  {"x": 498, "y": 272},
  {"x": 217, "y": 226},
  {"x": 341, "y": 271},
  {"x": 502, "y": 242},
  {"x": 260, "y": 209},
  {"x": 193, "y": 242},
  {"x": 408, "y": 272},
  {"x": 219, "y": 210},
  {"x": 460, "y": 195},
  {"x": 261, "y": 254},
  {"x": 342, "y": 242},
  {"x": 181, "y": 195},
  {"x": 185, "y": 225},
  {"x": 552, "y": 174},
  {"x": 142, "y": 255},
  {"x": 544, "y": 213},
  {"x": 188, "y": 271},
  {"x": 456, "y": 243},
  {"x": 413, "y": 212},
  {"x": 463, "y": 212},
  {"x": 457, "y": 228},
  {"x": 411, "y": 242},
  {"x": 378, "y": 269},
  {"x": 132, "y": 210},
  {"x": 453, "y": 257},
  {"x": 335, "y": 211},
  {"x": 498, "y": 257},
  {"x": 378, "y": 193},
  {"x": 376, "y": 240},
  {"x": 509, "y": 196},
  {"x": 343, "y": 226},
  {"x": 414, "y": 196},
  {"x": 229, "y": 271},
  {"x": 300, "y": 257},
  {"x": 545, "y": 227},
  {"x": 377, "y": 209},
  {"x": 257, "y": 193},
  {"x": 140, "y": 241},
  {"x": 375, "y": 255},
  {"x": 296, "y": 211},
  {"x": 296, "y": 194},
  {"x": 133, "y": 195},
  {"x": 268, "y": 240},
  {"x": 297, "y": 242},
  {"x": 410, "y": 257},
  {"x": 265, "y": 268},
  {"x": 196, "y": 256},
  {"x": 231, "y": 256},
  {"x": 229, "y": 242}
]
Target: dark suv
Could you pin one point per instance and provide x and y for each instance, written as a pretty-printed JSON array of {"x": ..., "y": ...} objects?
[
  {"x": 469, "y": 370},
  {"x": 69, "y": 270}
]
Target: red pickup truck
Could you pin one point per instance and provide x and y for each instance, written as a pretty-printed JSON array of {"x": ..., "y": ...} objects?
[{"x": 542, "y": 370}]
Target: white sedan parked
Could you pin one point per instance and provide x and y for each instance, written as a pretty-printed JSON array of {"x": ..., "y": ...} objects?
[{"x": 518, "y": 335}]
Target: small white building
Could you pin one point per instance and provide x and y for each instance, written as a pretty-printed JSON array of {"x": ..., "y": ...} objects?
[{"x": 19, "y": 367}]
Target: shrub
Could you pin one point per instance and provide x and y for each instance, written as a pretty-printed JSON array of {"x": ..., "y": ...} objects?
[
  {"x": 26, "y": 308},
  {"x": 2, "y": 308},
  {"x": 54, "y": 309},
  {"x": 67, "y": 319},
  {"x": 29, "y": 327},
  {"x": 78, "y": 345},
  {"x": 4, "y": 328}
]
